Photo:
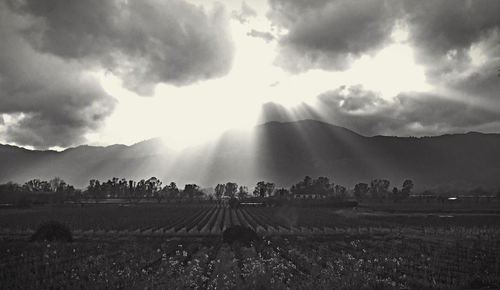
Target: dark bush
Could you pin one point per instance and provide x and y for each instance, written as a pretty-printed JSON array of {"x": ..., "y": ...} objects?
[
  {"x": 240, "y": 234},
  {"x": 52, "y": 231}
]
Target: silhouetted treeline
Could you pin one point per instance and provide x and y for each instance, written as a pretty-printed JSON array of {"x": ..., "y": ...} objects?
[
  {"x": 37, "y": 191},
  {"x": 144, "y": 189},
  {"x": 56, "y": 190}
]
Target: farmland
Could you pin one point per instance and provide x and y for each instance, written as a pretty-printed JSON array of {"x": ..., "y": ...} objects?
[{"x": 179, "y": 245}]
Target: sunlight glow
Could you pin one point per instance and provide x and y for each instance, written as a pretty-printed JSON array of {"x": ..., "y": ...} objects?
[
  {"x": 390, "y": 72},
  {"x": 193, "y": 114}
]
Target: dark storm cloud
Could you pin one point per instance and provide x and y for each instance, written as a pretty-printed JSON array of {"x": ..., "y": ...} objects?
[
  {"x": 456, "y": 41},
  {"x": 266, "y": 36},
  {"x": 479, "y": 84},
  {"x": 448, "y": 28},
  {"x": 414, "y": 114},
  {"x": 410, "y": 114},
  {"x": 445, "y": 34},
  {"x": 357, "y": 109},
  {"x": 53, "y": 102},
  {"x": 328, "y": 34},
  {"x": 144, "y": 42},
  {"x": 49, "y": 49}
]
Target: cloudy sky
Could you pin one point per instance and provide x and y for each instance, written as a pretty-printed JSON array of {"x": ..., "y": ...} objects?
[{"x": 102, "y": 72}]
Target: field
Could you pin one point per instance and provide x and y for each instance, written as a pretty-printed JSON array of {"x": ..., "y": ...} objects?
[{"x": 179, "y": 246}]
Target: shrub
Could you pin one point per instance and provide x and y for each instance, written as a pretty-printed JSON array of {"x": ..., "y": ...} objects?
[
  {"x": 52, "y": 231},
  {"x": 240, "y": 234}
]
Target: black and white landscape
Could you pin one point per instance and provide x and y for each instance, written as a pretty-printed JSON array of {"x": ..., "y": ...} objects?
[
  {"x": 280, "y": 152},
  {"x": 259, "y": 144}
]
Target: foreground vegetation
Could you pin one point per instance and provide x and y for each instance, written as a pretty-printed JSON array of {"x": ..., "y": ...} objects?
[
  {"x": 316, "y": 235},
  {"x": 358, "y": 261},
  {"x": 159, "y": 246}
]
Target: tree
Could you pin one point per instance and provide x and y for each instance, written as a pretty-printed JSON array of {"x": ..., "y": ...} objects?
[
  {"x": 191, "y": 190},
  {"x": 407, "y": 187},
  {"x": 141, "y": 189},
  {"x": 379, "y": 187},
  {"x": 114, "y": 187},
  {"x": 320, "y": 186},
  {"x": 45, "y": 186},
  {"x": 260, "y": 189},
  {"x": 231, "y": 189},
  {"x": 122, "y": 188},
  {"x": 269, "y": 188},
  {"x": 171, "y": 190},
  {"x": 219, "y": 190},
  {"x": 360, "y": 190},
  {"x": 263, "y": 189},
  {"x": 303, "y": 187},
  {"x": 33, "y": 185},
  {"x": 308, "y": 181},
  {"x": 133, "y": 194},
  {"x": 282, "y": 193},
  {"x": 340, "y": 191},
  {"x": 56, "y": 183},
  {"x": 395, "y": 193},
  {"x": 59, "y": 187},
  {"x": 72, "y": 194},
  {"x": 61, "y": 191},
  {"x": 94, "y": 189},
  {"x": 153, "y": 187},
  {"x": 242, "y": 192}
]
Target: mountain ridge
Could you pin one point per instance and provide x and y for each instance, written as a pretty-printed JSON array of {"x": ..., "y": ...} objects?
[
  {"x": 282, "y": 152},
  {"x": 258, "y": 125}
]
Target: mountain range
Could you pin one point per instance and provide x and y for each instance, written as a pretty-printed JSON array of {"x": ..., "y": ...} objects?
[{"x": 281, "y": 152}]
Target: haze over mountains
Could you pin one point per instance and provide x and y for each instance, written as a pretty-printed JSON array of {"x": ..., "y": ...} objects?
[{"x": 279, "y": 152}]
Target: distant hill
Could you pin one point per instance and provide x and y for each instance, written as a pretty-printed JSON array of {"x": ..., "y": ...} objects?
[{"x": 280, "y": 152}]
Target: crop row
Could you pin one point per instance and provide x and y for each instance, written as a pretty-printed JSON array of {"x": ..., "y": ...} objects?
[
  {"x": 274, "y": 262},
  {"x": 212, "y": 220}
]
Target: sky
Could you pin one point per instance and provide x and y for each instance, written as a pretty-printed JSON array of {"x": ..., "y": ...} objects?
[{"x": 104, "y": 72}]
